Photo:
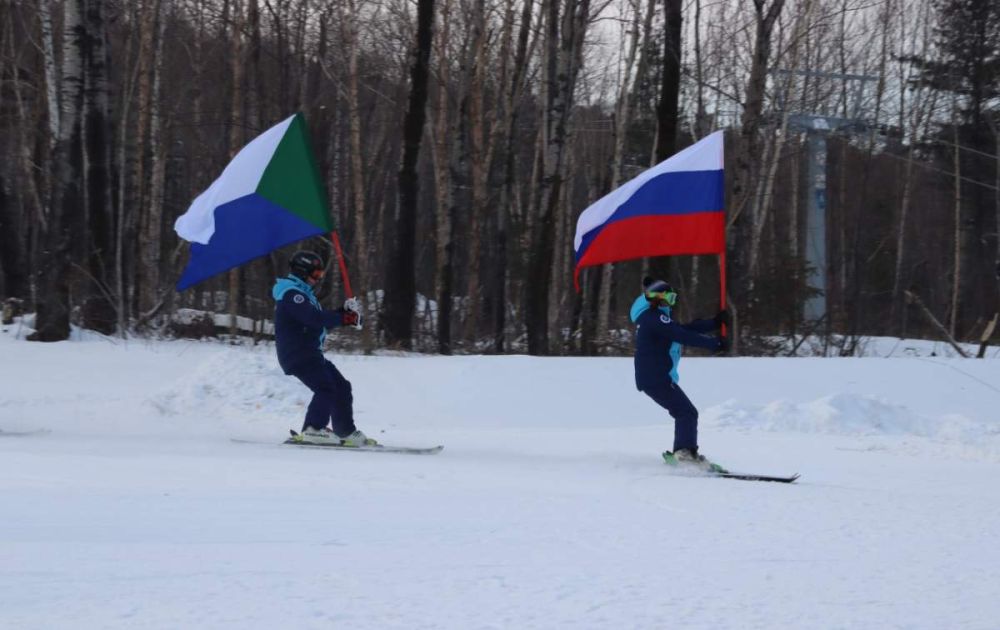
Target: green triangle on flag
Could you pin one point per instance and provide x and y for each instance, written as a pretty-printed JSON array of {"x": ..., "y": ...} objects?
[{"x": 291, "y": 179}]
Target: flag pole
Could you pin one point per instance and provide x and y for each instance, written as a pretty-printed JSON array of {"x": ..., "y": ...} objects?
[
  {"x": 722, "y": 285},
  {"x": 348, "y": 292}
]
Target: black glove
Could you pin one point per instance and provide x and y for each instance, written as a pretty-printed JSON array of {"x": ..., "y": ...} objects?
[
  {"x": 724, "y": 345},
  {"x": 723, "y": 319},
  {"x": 350, "y": 318}
]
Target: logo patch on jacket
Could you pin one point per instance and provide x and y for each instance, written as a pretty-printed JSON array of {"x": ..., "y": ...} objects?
[
  {"x": 665, "y": 319},
  {"x": 299, "y": 298}
]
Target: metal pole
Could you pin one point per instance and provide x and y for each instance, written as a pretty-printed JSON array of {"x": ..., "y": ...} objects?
[{"x": 816, "y": 306}]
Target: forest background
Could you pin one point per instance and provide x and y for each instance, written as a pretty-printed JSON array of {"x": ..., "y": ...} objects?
[{"x": 459, "y": 140}]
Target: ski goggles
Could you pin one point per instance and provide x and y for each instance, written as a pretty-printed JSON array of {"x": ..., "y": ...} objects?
[{"x": 668, "y": 297}]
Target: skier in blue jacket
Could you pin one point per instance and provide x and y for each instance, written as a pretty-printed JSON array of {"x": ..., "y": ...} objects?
[
  {"x": 300, "y": 326},
  {"x": 658, "y": 342}
]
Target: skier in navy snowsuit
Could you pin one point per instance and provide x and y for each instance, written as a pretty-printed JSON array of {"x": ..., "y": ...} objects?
[
  {"x": 300, "y": 326},
  {"x": 658, "y": 342}
]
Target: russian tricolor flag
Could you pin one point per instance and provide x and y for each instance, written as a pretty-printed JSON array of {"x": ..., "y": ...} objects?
[{"x": 676, "y": 207}]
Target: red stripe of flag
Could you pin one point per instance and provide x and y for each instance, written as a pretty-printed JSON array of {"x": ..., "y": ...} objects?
[{"x": 656, "y": 235}]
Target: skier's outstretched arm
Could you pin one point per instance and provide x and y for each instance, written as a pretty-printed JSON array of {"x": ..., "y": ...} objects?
[
  {"x": 669, "y": 329},
  {"x": 708, "y": 325},
  {"x": 298, "y": 306}
]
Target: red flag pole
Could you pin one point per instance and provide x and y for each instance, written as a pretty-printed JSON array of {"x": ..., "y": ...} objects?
[{"x": 348, "y": 292}]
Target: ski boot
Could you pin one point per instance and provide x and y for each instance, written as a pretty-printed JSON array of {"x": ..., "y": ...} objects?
[
  {"x": 312, "y": 435},
  {"x": 690, "y": 457},
  {"x": 357, "y": 439}
]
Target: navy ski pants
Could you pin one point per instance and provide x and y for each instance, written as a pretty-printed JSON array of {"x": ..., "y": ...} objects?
[
  {"x": 671, "y": 397},
  {"x": 332, "y": 402}
]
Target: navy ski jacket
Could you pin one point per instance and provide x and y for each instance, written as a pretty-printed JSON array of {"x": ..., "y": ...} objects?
[
  {"x": 658, "y": 341},
  {"x": 300, "y": 323}
]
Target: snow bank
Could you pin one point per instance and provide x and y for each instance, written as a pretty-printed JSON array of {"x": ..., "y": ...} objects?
[
  {"x": 232, "y": 383},
  {"x": 848, "y": 414}
]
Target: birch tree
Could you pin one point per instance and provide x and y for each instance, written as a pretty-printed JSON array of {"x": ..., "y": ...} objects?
[{"x": 53, "y": 275}]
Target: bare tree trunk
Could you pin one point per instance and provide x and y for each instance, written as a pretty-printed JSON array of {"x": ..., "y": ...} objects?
[
  {"x": 302, "y": 63},
  {"x": 563, "y": 50},
  {"x": 14, "y": 264},
  {"x": 236, "y": 138},
  {"x": 53, "y": 300},
  {"x": 762, "y": 208},
  {"x": 949, "y": 337},
  {"x": 508, "y": 196},
  {"x": 259, "y": 273},
  {"x": 670, "y": 86},
  {"x": 151, "y": 291},
  {"x": 995, "y": 128},
  {"x": 984, "y": 339},
  {"x": 957, "y": 273},
  {"x": 919, "y": 115},
  {"x": 351, "y": 31},
  {"x": 98, "y": 308},
  {"x": 194, "y": 87},
  {"x": 668, "y": 106},
  {"x": 996, "y": 199},
  {"x": 904, "y": 211},
  {"x": 26, "y": 166},
  {"x": 13, "y": 281},
  {"x": 702, "y": 125},
  {"x": 445, "y": 247},
  {"x": 400, "y": 283},
  {"x": 123, "y": 223},
  {"x": 256, "y": 116},
  {"x": 561, "y": 265},
  {"x": 744, "y": 173},
  {"x": 744, "y": 181},
  {"x": 478, "y": 161},
  {"x": 623, "y": 117},
  {"x": 150, "y": 226}
]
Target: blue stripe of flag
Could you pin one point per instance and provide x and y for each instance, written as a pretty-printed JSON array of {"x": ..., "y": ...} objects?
[
  {"x": 246, "y": 228},
  {"x": 683, "y": 192}
]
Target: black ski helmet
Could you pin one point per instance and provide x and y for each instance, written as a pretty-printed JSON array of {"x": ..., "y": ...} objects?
[{"x": 306, "y": 265}]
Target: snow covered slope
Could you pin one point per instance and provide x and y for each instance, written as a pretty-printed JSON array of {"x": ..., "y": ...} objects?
[{"x": 548, "y": 508}]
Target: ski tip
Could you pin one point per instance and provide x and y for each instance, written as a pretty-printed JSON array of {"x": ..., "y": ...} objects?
[{"x": 293, "y": 432}]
